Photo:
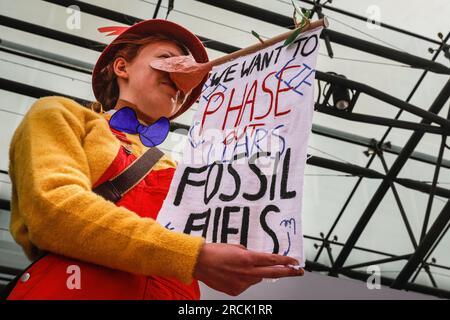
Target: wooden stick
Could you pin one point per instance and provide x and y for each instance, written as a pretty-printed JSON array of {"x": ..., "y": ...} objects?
[{"x": 266, "y": 43}]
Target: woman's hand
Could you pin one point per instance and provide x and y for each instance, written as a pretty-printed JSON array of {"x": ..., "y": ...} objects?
[{"x": 232, "y": 268}]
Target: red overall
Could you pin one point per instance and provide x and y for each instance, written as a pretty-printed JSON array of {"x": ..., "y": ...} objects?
[{"x": 48, "y": 277}]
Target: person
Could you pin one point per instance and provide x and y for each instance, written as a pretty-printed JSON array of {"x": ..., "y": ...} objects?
[{"x": 86, "y": 247}]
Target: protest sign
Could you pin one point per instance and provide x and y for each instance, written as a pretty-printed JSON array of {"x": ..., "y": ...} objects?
[{"x": 241, "y": 177}]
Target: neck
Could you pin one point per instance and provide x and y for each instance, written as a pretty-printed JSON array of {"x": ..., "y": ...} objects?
[{"x": 121, "y": 103}]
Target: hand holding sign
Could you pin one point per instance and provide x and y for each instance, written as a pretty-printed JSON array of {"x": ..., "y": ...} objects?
[{"x": 232, "y": 268}]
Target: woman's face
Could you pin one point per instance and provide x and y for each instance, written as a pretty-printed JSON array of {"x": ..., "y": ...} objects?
[{"x": 151, "y": 90}]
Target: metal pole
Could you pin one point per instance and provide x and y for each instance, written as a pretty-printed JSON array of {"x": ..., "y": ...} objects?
[
  {"x": 376, "y": 262},
  {"x": 435, "y": 231},
  {"x": 45, "y": 56},
  {"x": 130, "y": 20},
  {"x": 382, "y": 24},
  {"x": 351, "y": 42},
  {"x": 364, "y": 118},
  {"x": 314, "y": 266},
  {"x": 433, "y": 187},
  {"x": 158, "y": 5},
  {"x": 380, "y": 95},
  {"x": 384, "y": 186},
  {"x": 381, "y": 143}
]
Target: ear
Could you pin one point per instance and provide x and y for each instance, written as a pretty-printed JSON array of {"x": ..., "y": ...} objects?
[{"x": 120, "y": 66}]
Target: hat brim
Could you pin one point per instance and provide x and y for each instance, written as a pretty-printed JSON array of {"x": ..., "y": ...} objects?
[{"x": 148, "y": 28}]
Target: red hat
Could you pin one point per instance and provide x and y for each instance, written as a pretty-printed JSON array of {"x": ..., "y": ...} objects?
[{"x": 148, "y": 28}]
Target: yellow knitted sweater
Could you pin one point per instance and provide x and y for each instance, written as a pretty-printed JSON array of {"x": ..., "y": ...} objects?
[{"x": 59, "y": 150}]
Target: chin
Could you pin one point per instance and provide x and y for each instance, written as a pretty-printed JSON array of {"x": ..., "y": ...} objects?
[
  {"x": 170, "y": 109},
  {"x": 159, "y": 108},
  {"x": 164, "y": 113}
]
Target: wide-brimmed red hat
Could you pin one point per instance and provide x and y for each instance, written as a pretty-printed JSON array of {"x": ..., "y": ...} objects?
[{"x": 148, "y": 28}]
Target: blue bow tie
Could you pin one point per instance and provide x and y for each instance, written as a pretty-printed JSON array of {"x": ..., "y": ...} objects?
[{"x": 125, "y": 120}]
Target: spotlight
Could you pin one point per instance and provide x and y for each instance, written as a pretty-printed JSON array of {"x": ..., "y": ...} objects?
[
  {"x": 341, "y": 94},
  {"x": 369, "y": 152}
]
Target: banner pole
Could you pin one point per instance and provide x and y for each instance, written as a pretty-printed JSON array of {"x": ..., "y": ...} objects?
[{"x": 267, "y": 43}]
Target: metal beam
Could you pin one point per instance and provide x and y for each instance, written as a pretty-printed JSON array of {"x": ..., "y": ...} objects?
[
  {"x": 381, "y": 121},
  {"x": 437, "y": 105},
  {"x": 10, "y": 271},
  {"x": 382, "y": 24},
  {"x": 399, "y": 202},
  {"x": 130, "y": 20},
  {"x": 158, "y": 5},
  {"x": 335, "y": 242},
  {"x": 5, "y": 205},
  {"x": 51, "y": 33},
  {"x": 381, "y": 144},
  {"x": 417, "y": 258},
  {"x": 367, "y": 142},
  {"x": 386, "y": 254},
  {"x": 380, "y": 95},
  {"x": 363, "y": 276},
  {"x": 45, "y": 56},
  {"x": 35, "y": 92},
  {"x": 433, "y": 185},
  {"x": 377, "y": 262},
  {"x": 385, "y": 52},
  {"x": 334, "y": 36},
  {"x": 370, "y": 173},
  {"x": 83, "y": 42}
]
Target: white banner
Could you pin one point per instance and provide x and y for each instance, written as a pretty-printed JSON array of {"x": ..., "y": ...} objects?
[{"x": 241, "y": 177}]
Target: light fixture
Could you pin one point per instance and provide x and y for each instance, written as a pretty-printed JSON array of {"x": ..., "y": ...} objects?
[{"x": 341, "y": 94}]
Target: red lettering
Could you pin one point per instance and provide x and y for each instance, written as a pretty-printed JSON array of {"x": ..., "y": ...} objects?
[
  {"x": 249, "y": 100},
  {"x": 233, "y": 108},
  {"x": 265, "y": 89},
  {"x": 233, "y": 135},
  {"x": 208, "y": 112},
  {"x": 227, "y": 139}
]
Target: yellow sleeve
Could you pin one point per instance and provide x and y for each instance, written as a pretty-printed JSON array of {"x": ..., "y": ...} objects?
[{"x": 52, "y": 186}]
